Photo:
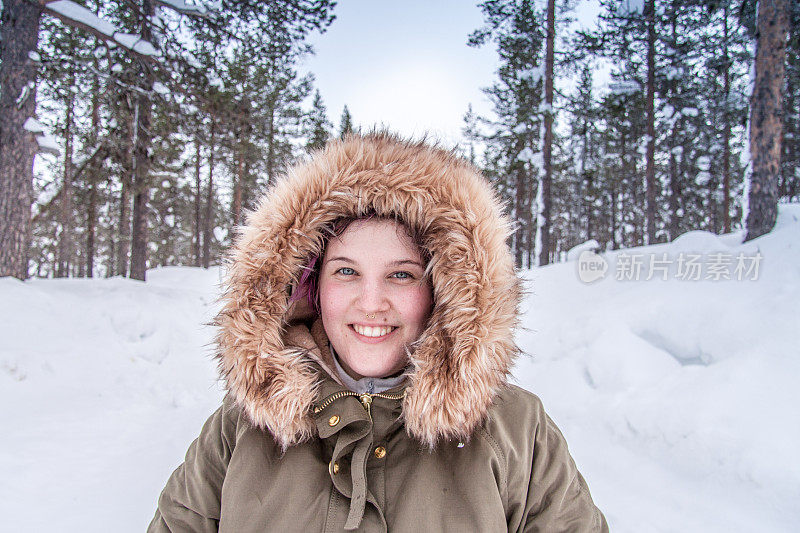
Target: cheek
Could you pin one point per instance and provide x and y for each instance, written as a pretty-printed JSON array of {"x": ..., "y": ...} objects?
[
  {"x": 331, "y": 300},
  {"x": 417, "y": 306}
]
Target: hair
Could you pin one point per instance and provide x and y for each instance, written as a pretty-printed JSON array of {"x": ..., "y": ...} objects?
[{"x": 308, "y": 284}]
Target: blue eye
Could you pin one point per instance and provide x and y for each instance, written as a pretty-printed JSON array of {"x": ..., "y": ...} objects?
[
  {"x": 346, "y": 271},
  {"x": 402, "y": 275}
]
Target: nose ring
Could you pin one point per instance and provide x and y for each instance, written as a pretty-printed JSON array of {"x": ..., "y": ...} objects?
[{"x": 370, "y": 316}]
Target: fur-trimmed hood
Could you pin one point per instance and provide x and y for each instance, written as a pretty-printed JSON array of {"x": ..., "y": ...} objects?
[{"x": 272, "y": 364}]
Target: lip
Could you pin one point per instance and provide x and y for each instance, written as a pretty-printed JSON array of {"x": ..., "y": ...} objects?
[{"x": 372, "y": 340}]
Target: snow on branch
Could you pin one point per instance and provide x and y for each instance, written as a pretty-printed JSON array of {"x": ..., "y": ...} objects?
[
  {"x": 32, "y": 125},
  {"x": 519, "y": 129},
  {"x": 47, "y": 144},
  {"x": 134, "y": 42},
  {"x": 631, "y": 7},
  {"x": 188, "y": 9},
  {"x": 534, "y": 75},
  {"x": 23, "y": 95},
  {"x": 44, "y": 139},
  {"x": 625, "y": 87},
  {"x": 76, "y": 15}
]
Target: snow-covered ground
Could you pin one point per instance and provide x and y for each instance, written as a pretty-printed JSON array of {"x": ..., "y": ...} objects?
[{"x": 678, "y": 397}]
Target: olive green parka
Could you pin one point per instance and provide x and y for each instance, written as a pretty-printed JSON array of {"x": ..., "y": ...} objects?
[{"x": 453, "y": 448}]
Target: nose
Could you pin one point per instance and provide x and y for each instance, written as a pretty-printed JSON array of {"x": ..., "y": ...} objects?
[{"x": 374, "y": 297}]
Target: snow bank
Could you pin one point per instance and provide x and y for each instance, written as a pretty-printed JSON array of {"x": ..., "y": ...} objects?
[
  {"x": 677, "y": 397},
  {"x": 104, "y": 384},
  {"x": 575, "y": 252}
]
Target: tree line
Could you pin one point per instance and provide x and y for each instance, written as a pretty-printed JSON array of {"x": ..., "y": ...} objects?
[
  {"x": 172, "y": 118},
  {"x": 680, "y": 137}
]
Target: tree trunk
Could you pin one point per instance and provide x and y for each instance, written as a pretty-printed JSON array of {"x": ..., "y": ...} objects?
[
  {"x": 547, "y": 150},
  {"x": 141, "y": 158},
  {"x": 726, "y": 133},
  {"x": 140, "y": 190},
  {"x": 531, "y": 229},
  {"x": 522, "y": 215},
  {"x": 674, "y": 188},
  {"x": 766, "y": 117},
  {"x": 139, "y": 233},
  {"x": 124, "y": 229},
  {"x": 65, "y": 235},
  {"x": 197, "y": 202},
  {"x": 19, "y": 35},
  {"x": 613, "y": 228},
  {"x": 91, "y": 224},
  {"x": 519, "y": 234},
  {"x": 237, "y": 188},
  {"x": 270, "y": 145},
  {"x": 650, "y": 171},
  {"x": 618, "y": 193},
  {"x": 209, "y": 214},
  {"x": 247, "y": 190},
  {"x": 92, "y": 177},
  {"x": 790, "y": 162}
]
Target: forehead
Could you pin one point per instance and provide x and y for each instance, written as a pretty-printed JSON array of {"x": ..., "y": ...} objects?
[{"x": 373, "y": 237}]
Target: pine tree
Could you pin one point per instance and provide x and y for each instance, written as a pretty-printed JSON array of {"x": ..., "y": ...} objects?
[
  {"x": 317, "y": 125},
  {"x": 765, "y": 116},
  {"x": 584, "y": 144},
  {"x": 624, "y": 142},
  {"x": 513, "y": 146},
  {"x": 628, "y": 34},
  {"x": 345, "y": 123},
  {"x": 19, "y": 36},
  {"x": 544, "y": 223},
  {"x": 127, "y": 117},
  {"x": 790, "y": 156}
]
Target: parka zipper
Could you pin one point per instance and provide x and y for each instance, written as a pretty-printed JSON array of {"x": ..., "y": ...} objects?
[{"x": 365, "y": 398}]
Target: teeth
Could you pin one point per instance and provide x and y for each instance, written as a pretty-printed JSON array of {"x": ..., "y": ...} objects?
[{"x": 369, "y": 331}]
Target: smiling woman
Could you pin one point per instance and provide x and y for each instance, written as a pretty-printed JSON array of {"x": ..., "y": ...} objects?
[{"x": 380, "y": 401}]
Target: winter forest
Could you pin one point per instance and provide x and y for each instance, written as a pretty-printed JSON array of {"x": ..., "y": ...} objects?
[
  {"x": 136, "y": 135},
  {"x": 157, "y": 124}
]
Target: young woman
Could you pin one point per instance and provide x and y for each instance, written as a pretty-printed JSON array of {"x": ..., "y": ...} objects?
[{"x": 365, "y": 340}]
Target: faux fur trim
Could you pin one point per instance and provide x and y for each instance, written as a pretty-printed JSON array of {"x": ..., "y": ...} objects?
[{"x": 466, "y": 351}]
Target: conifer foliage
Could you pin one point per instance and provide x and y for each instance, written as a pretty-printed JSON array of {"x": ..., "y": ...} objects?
[
  {"x": 662, "y": 148},
  {"x": 513, "y": 137},
  {"x": 163, "y": 121},
  {"x": 165, "y": 118}
]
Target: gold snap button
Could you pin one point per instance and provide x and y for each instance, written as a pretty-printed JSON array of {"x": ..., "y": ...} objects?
[
  {"x": 380, "y": 452},
  {"x": 334, "y": 468},
  {"x": 332, "y": 421}
]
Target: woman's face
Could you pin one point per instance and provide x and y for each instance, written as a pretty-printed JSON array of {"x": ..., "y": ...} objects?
[{"x": 373, "y": 298}]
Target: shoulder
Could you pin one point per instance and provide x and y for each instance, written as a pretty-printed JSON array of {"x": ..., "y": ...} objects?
[
  {"x": 512, "y": 424},
  {"x": 227, "y": 424},
  {"x": 519, "y": 426},
  {"x": 238, "y": 433},
  {"x": 516, "y": 410}
]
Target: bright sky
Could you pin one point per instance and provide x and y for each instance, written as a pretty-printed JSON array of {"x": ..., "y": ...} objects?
[{"x": 406, "y": 65}]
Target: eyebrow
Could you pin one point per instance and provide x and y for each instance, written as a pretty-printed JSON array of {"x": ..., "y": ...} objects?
[{"x": 399, "y": 262}]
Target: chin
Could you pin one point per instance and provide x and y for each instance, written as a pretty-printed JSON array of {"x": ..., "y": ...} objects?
[{"x": 373, "y": 371}]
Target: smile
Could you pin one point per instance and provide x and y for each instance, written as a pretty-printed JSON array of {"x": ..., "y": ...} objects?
[{"x": 372, "y": 331}]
